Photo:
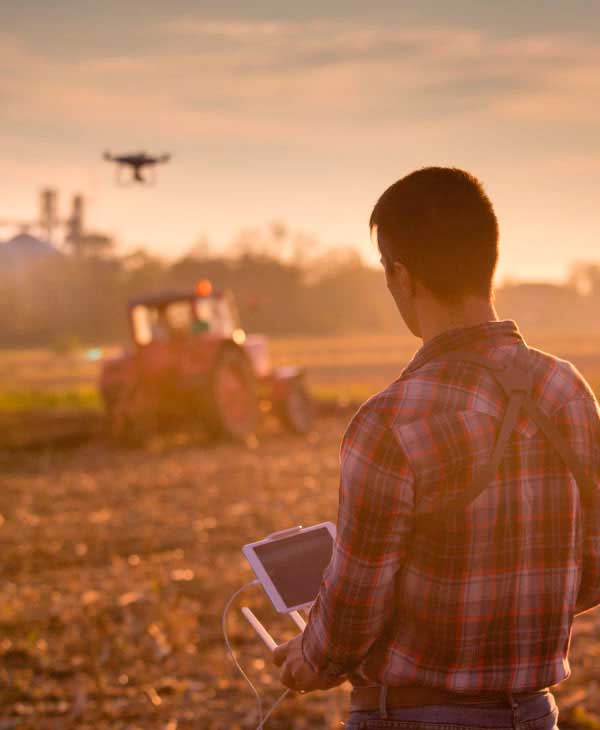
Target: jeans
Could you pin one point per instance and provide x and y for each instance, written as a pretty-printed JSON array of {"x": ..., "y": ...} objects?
[{"x": 538, "y": 713}]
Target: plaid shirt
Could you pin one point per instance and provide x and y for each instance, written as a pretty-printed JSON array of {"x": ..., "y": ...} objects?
[{"x": 488, "y": 601}]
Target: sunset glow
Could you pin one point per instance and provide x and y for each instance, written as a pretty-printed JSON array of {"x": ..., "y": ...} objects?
[{"x": 303, "y": 115}]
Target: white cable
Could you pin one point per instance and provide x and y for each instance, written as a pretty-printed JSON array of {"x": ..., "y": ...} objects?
[
  {"x": 261, "y": 720},
  {"x": 275, "y": 705},
  {"x": 232, "y": 653}
]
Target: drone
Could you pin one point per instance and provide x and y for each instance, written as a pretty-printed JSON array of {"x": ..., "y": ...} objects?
[{"x": 137, "y": 162}]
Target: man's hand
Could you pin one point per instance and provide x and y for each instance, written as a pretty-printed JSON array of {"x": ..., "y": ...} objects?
[{"x": 296, "y": 674}]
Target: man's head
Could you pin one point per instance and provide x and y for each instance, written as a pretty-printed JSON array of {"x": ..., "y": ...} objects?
[{"x": 438, "y": 237}]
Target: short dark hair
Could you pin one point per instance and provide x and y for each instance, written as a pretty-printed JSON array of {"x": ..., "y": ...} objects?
[{"x": 441, "y": 225}]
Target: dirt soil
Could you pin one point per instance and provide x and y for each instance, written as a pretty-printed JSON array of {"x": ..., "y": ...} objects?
[{"x": 117, "y": 565}]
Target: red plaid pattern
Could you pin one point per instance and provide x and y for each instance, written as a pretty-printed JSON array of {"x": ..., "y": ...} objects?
[{"x": 488, "y": 601}]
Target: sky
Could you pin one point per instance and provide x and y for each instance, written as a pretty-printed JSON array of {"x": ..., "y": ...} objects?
[{"x": 305, "y": 113}]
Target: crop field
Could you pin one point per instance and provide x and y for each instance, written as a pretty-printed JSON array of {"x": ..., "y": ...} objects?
[
  {"x": 339, "y": 368},
  {"x": 117, "y": 563}
]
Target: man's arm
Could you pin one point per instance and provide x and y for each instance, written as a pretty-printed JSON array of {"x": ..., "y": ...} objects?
[
  {"x": 589, "y": 590},
  {"x": 376, "y": 504},
  {"x": 583, "y": 418}
]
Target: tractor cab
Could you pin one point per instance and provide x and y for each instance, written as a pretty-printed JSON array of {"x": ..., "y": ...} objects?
[{"x": 178, "y": 314}]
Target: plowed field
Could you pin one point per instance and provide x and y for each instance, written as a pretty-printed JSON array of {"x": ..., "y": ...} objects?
[{"x": 116, "y": 567}]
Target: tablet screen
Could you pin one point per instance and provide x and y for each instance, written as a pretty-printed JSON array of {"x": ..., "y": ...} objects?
[{"x": 296, "y": 564}]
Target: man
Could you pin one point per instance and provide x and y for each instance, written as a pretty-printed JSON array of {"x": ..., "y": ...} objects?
[{"x": 463, "y": 620}]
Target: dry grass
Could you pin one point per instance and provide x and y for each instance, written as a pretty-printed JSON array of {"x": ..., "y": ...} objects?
[{"x": 116, "y": 569}]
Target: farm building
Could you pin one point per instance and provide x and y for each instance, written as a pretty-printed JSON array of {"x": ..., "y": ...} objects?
[{"x": 23, "y": 251}]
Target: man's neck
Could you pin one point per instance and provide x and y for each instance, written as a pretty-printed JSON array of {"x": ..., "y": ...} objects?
[{"x": 436, "y": 317}]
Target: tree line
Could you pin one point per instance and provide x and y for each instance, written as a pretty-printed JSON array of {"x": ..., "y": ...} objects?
[
  {"x": 63, "y": 299},
  {"x": 282, "y": 284}
]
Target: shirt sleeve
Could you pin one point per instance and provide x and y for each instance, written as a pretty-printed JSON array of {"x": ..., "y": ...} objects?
[
  {"x": 376, "y": 505},
  {"x": 589, "y": 589}
]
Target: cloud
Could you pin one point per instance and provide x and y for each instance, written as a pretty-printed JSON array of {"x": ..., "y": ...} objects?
[
  {"x": 231, "y": 30},
  {"x": 279, "y": 81}
]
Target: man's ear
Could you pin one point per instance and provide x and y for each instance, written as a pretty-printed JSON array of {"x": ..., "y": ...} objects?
[{"x": 405, "y": 279}]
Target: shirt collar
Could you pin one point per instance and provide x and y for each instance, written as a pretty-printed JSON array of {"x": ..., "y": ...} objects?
[{"x": 465, "y": 337}]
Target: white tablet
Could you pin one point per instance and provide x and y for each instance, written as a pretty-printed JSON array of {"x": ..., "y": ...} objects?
[{"x": 290, "y": 564}]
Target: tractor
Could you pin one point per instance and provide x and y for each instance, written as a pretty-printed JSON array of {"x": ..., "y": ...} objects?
[{"x": 192, "y": 361}]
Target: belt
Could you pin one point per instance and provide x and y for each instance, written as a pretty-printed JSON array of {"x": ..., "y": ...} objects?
[{"x": 368, "y": 698}]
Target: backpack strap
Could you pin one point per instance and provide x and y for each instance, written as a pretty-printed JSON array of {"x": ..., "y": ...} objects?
[
  {"x": 586, "y": 485},
  {"x": 516, "y": 382}
]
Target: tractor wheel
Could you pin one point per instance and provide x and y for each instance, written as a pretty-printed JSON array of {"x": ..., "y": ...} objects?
[
  {"x": 233, "y": 397},
  {"x": 297, "y": 410}
]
